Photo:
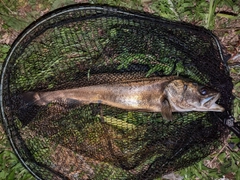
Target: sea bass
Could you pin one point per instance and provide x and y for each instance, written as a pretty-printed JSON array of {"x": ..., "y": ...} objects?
[{"x": 159, "y": 94}]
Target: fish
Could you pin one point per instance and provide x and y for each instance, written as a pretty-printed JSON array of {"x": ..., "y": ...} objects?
[{"x": 163, "y": 95}]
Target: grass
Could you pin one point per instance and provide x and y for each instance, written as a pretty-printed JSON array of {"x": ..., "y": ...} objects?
[{"x": 213, "y": 14}]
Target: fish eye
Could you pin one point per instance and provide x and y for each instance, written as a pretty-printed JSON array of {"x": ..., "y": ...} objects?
[
  {"x": 184, "y": 87},
  {"x": 203, "y": 91}
]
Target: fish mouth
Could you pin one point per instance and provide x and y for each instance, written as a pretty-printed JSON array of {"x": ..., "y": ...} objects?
[{"x": 210, "y": 103}]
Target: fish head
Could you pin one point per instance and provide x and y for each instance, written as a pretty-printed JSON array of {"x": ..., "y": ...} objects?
[{"x": 184, "y": 95}]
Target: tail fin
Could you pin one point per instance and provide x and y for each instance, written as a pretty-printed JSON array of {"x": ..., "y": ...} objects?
[
  {"x": 27, "y": 109},
  {"x": 26, "y": 114}
]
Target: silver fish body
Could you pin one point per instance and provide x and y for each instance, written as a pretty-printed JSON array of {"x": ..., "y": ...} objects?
[{"x": 163, "y": 94}]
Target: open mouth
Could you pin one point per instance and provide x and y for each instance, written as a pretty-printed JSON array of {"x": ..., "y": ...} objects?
[
  {"x": 207, "y": 102},
  {"x": 210, "y": 103}
]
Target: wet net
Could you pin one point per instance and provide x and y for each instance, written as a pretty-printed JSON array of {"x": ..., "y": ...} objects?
[{"x": 83, "y": 45}]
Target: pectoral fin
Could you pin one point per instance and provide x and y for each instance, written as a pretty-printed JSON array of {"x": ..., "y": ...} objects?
[{"x": 166, "y": 110}]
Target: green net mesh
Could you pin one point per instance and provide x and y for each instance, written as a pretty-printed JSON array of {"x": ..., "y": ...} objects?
[{"x": 79, "y": 46}]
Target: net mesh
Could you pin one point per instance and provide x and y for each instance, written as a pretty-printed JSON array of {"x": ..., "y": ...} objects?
[{"x": 80, "y": 46}]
